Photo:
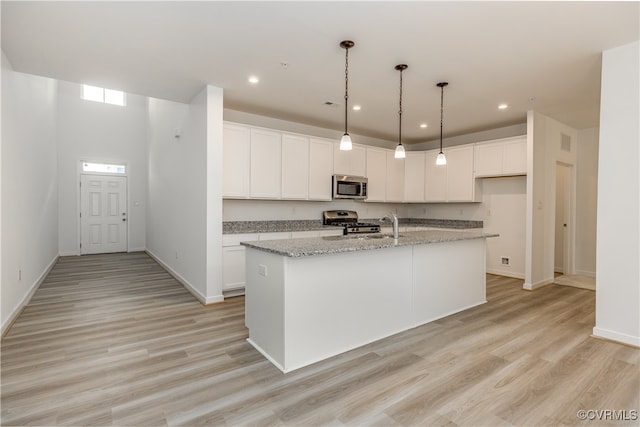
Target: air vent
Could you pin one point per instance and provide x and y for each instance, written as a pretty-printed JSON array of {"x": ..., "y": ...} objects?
[{"x": 565, "y": 143}]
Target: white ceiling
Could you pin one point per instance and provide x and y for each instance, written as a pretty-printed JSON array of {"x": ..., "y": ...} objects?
[{"x": 531, "y": 55}]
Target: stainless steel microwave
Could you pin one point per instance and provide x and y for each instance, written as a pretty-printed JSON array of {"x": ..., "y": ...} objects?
[{"x": 349, "y": 187}]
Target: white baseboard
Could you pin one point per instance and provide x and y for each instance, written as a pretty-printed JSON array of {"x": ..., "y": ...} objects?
[
  {"x": 507, "y": 273},
  {"x": 34, "y": 287},
  {"x": 69, "y": 253},
  {"x": 586, "y": 273},
  {"x": 616, "y": 336},
  {"x": 537, "y": 285},
  {"x": 184, "y": 282},
  {"x": 136, "y": 249}
]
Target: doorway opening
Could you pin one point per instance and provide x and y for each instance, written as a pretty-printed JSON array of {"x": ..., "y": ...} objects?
[{"x": 564, "y": 267}]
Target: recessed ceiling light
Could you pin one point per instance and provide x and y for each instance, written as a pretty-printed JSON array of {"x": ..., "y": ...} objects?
[
  {"x": 253, "y": 79},
  {"x": 423, "y": 125},
  {"x": 503, "y": 106},
  {"x": 357, "y": 108}
]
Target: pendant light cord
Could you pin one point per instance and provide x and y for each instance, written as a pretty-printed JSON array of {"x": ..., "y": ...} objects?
[
  {"x": 441, "y": 113},
  {"x": 400, "y": 112},
  {"x": 346, "y": 86}
]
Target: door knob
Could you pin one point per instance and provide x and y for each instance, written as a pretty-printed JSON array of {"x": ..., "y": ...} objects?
[{"x": 124, "y": 219}]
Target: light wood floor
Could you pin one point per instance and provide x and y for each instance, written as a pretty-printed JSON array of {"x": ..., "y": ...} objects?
[{"x": 114, "y": 340}]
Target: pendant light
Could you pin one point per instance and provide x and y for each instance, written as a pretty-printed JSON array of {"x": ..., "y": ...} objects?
[
  {"x": 400, "y": 153},
  {"x": 441, "y": 159},
  {"x": 345, "y": 142}
]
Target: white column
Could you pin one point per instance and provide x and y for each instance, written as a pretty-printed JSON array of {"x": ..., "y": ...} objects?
[{"x": 618, "y": 253}]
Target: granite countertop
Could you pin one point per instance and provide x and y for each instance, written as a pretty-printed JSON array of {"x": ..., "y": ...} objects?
[
  {"x": 354, "y": 242},
  {"x": 239, "y": 227}
]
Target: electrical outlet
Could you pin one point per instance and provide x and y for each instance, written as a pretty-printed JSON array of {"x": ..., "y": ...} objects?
[
  {"x": 262, "y": 270},
  {"x": 505, "y": 260}
]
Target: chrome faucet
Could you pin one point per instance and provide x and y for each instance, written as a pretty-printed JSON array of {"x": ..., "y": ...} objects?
[{"x": 394, "y": 220}]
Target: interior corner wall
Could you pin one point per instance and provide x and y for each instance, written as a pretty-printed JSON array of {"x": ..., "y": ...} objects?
[
  {"x": 586, "y": 201},
  {"x": 29, "y": 187},
  {"x": 177, "y": 194},
  {"x": 618, "y": 229},
  {"x": 544, "y": 151},
  {"x": 504, "y": 206},
  {"x": 100, "y": 132},
  {"x": 214, "y": 126}
]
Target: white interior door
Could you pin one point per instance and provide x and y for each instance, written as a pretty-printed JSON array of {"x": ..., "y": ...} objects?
[{"x": 103, "y": 214}]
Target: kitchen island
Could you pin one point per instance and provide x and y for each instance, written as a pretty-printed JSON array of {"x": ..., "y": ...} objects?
[{"x": 312, "y": 298}]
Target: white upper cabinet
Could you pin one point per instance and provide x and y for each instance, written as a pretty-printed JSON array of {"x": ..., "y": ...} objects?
[
  {"x": 502, "y": 157},
  {"x": 488, "y": 159},
  {"x": 435, "y": 178},
  {"x": 515, "y": 156},
  {"x": 376, "y": 174},
  {"x": 320, "y": 169},
  {"x": 453, "y": 182},
  {"x": 414, "y": 176},
  {"x": 460, "y": 180},
  {"x": 266, "y": 169},
  {"x": 235, "y": 153},
  {"x": 295, "y": 167},
  {"x": 352, "y": 162},
  {"x": 395, "y": 177},
  {"x": 268, "y": 164}
]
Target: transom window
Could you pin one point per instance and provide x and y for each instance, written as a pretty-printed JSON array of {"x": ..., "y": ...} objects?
[
  {"x": 100, "y": 94},
  {"x": 103, "y": 168}
]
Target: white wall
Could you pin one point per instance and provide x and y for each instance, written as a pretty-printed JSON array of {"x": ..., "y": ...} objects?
[
  {"x": 586, "y": 201},
  {"x": 177, "y": 223},
  {"x": 544, "y": 138},
  {"x": 101, "y": 132},
  {"x": 459, "y": 211},
  {"x": 29, "y": 186},
  {"x": 504, "y": 204},
  {"x": 214, "y": 125},
  {"x": 618, "y": 251}
]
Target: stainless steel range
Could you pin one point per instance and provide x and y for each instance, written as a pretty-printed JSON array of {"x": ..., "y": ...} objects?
[{"x": 348, "y": 220}]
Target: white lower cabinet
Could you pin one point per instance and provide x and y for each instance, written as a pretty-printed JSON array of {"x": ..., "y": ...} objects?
[
  {"x": 233, "y": 262},
  {"x": 233, "y": 254}
]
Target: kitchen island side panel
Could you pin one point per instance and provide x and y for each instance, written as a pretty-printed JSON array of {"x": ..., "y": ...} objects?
[
  {"x": 265, "y": 304},
  {"x": 335, "y": 303},
  {"x": 449, "y": 277}
]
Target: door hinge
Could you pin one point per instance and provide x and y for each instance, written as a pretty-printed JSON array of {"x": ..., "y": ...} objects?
[{"x": 80, "y": 214}]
